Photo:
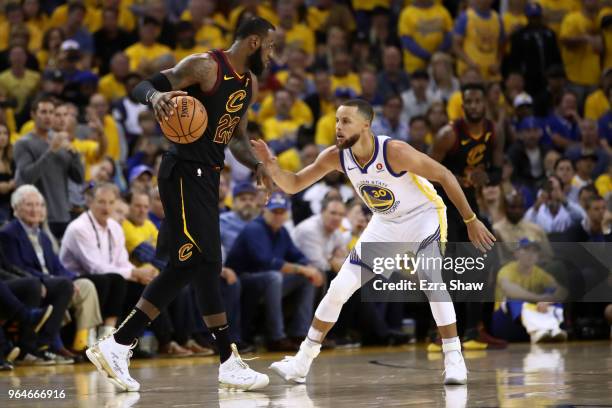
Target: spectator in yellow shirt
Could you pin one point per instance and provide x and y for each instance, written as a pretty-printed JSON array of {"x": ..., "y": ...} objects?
[
  {"x": 424, "y": 28},
  {"x": 295, "y": 33},
  {"x": 581, "y": 45},
  {"x": 555, "y": 11},
  {"x": 116, "y": 144},
  {"x": 597, "y": 104},
  {"x": 300, "y": 112},
  {"x": 48, "y": 56},
  {"x": 147, "y": 50},
  {"x": 111, "y": 85},
  {"x": 282, "y": 129},
  {"x": 342, "y": 76},
  {"x": 603, "y": 183},
  {"x": 186, "y": 42},
  {"x": 18, "y": 82},
  {"x": 478, "y": 40}
]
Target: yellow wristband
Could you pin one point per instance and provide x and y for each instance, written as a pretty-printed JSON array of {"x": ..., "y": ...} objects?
[{"x": 471, "y": 219}]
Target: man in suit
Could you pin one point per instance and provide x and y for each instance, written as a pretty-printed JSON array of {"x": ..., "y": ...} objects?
[{"x": 29, "y": 248}]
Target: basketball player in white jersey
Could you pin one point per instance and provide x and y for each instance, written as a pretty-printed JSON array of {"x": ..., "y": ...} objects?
[{"x": 391, "y": 177}]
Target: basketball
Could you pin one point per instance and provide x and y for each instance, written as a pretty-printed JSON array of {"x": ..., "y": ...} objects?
[{"x": 188, "y": 122}]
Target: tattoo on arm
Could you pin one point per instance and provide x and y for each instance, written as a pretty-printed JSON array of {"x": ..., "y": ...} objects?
[{"x": 197, "y": 68}]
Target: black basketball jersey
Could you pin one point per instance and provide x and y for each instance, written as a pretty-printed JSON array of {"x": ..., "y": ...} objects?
[
  {"x": 225, "y": 104},
  {"x": 470, "y": 151}
]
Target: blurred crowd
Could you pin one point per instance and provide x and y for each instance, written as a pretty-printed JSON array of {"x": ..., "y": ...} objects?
[{"x": 79, "y": 158}]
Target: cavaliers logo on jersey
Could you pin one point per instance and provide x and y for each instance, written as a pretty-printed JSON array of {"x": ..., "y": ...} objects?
[
  {"x": 378, "y": 198},
  {"x": 476, "y": 154},
  {"x": 235, "y": 101}
]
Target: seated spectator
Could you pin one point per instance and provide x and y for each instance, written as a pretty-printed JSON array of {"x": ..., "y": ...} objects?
[
  {"x": 390, "y": 123},
  {"x": 116, "y": 147},
  {"x": 41, "y": 262},
  {"x": 418, "y": 98},
  {"x": 589, "y": 145},
  {"x": 141, "y": 178},
  {"x": 549, "y": 211},
  {"x": 527, "y": 154},
  {"x": 270, "y": 267},
  {"x": 443, "y": 82},
  {"x": 318, "y": 191},
  {"x": 320, "y": 239},
  {"x": 298, "y": 110},
  {"x": 370, "y": 89},
  {"x": 584, "y": 162},
  {"x": 110, "y": 40},
  {"x": 392, "y": 79},
  {"x": 342, "y": 76},
  {"x": 48, "y": 55},
  {"x": 564, "y": 169},
  {"x": 125, "y": 111},
  {"x": 603, "y": 183},
  {"x": 147, "y": 50},
  {"x": 94, "y": 246},
  {"x": 18, "y": 82},
  {"x": 526, "y": 294},
  {"x": 597, "y": 103},
  {"x": 592, "y": 228},
  {"x": 419, "y": 133},
  {"x": 243, "y": 211},
  {"x": 20, "y": 301},
  {"x": 510, "y": 188},
  {"x": 321, "y": 101},
  {"x": 546, "y": 100},
  {"x": 562, "y": 124}
]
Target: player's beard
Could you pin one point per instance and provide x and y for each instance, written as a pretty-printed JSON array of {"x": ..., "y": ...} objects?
[
  {"x": 348, "y": 142},
  {"x": 473, "y": 119},
  {"x": 255, "y": 62}
]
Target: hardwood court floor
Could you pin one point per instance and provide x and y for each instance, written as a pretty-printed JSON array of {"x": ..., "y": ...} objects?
[{"x": 522, "y": 376}]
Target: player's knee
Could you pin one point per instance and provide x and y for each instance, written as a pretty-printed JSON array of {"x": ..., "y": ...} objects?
[{"x": 340, "y": 290}]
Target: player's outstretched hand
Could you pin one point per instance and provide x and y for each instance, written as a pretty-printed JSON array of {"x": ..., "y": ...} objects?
[
  {"x": 163, "y": 105},
  {"x": 262, "y": 151},
  {"x": 480, "y": 236}
]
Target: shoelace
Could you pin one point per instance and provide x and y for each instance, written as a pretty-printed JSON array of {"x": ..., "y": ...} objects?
[{"x": 130, "y": 353}]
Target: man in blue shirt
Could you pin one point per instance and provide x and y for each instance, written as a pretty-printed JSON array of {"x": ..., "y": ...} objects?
[
  {"x": 244, "y": 209},
  {"x": 271, "y": 267}
]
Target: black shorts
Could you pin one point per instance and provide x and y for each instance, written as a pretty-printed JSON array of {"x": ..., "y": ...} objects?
[{"x": 189, "y": 192}]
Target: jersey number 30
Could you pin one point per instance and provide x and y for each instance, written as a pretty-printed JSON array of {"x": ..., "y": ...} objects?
[{"x": 225, "y": 128}]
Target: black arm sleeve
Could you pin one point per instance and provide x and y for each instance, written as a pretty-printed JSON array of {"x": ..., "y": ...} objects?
[{"x": 145, "y": 89}]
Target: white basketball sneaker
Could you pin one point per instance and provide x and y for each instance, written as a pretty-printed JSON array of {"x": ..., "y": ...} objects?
[
  {"x": 455, "y": 371},
  {"x": 112, "y": 360},
  {"x": 235, "y": 374},
  {"x": 296, "y": 368}
]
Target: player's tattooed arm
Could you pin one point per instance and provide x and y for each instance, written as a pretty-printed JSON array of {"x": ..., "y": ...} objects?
[{"x": 195, "y": 69}]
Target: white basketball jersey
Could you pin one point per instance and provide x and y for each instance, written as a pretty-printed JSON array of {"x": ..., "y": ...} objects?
[{"x": 386, "y": 193}]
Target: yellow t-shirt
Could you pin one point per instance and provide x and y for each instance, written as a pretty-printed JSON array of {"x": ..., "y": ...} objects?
[
  {"x": 111, "y": 88},
  {"x": 301, "y": 36},
  {"x": 316, "y": 17},
  {"x": 261, "y": 11},
  {"x": 369, "y": 5},
  {"x": 113, "y": 148},
  {"x": 555, "y": 10},
  {"x": 26, "y": 128},
  {"x": 92, "y": 20},
  {"x": 290, "y": 160},
  {"x": 581, "y": 63},
  {"x": 300, "y": 112},
  {"x": 603, "y": 184},
  {"x": 427, "y": 26},
  {"x": 325, "y": 133},
  {"x": 351, "y": 80},
  {"x": 19, "y": 88},
  {"x": 536, "y": 282},
  {"x": 88, "y": 149},
  {"x": 481, "y": 42},
  {"x": 454, "y": 108},
  {"x": 607, "y": 36},
  {"x": 513, "y": 22},
  {"x": 136, "y": 235},
  {"x": 180, "y": 53},
  {"x": 210, "y": 37},
  {"x": 596, "y": 105},
  {"x": 274, "y": 128},
  {"x": 36, "y": 35},
  {"x": 139, "y": 54},
  {"x": 218, "y": 18}
]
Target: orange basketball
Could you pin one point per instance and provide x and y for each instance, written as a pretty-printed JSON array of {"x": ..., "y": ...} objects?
[{"x": 188, "y": 122}]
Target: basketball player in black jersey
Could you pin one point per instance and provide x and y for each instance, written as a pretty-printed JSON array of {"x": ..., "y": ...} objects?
[
  {"x": 470, "y": 149},
  {"x": 226, "y": 83}
]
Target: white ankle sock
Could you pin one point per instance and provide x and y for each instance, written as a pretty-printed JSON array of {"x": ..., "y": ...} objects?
[
  {"x": 451, "y": 344},
  {"x": 312, "y": 344}
]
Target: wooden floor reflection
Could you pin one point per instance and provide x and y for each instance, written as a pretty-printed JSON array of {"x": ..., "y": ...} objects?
[{"x": 523, "y": 376}]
